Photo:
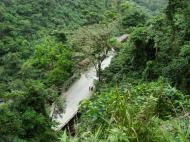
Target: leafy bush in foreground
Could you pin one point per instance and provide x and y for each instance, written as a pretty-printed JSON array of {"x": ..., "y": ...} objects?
[{"x": 140, "y": 113}]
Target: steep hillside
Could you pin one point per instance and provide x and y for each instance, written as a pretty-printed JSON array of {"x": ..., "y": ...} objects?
[
  {"x": 152, "y": 5},
  {"x": 143, "y": 96},
  {"x": 25, "y": 22},
  {"x": 36, "y": 60}
]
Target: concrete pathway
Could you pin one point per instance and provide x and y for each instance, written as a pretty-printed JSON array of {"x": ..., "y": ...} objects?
[{"x": 80, "y": 91}]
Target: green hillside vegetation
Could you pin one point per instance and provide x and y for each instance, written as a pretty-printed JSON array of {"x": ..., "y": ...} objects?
[
  {"x": 152, "y": 5},
  {"x": 143, "y": 96},
  {"x": 36, "y": 60},
  {"x": 138, "y": 100}
]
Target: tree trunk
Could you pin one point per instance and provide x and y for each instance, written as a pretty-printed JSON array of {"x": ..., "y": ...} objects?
[{"x": 99, "y": 71}]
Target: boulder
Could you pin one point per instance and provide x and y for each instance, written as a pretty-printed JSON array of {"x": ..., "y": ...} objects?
[{"x": 84, "y": 62}]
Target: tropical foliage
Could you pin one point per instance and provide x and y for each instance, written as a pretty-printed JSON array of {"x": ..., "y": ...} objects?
[{"x": 143, "y": 96}]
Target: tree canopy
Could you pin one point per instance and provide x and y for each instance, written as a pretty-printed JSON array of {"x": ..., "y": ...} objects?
[{"x": 143, "y": 96}]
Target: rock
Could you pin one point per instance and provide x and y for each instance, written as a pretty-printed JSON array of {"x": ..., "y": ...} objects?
[
  {"x": 122, "y": 38},
  {"x": 84, "y": 62}
]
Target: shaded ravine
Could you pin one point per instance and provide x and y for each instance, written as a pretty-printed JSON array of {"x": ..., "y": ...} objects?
[{"x": 80, "y": 91}]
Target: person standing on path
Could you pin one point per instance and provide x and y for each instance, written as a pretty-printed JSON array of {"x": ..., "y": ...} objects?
[{"x": 91, "y": 88}]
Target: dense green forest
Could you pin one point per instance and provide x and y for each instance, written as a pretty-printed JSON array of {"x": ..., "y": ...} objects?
[
  {"x": 143, "y": 96},
  {"x": 36, "y": 60},
  {"x": 152, "y": 5}
]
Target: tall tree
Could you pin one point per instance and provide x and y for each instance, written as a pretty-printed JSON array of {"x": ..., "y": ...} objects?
[{"x": 94, "y": 42}]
